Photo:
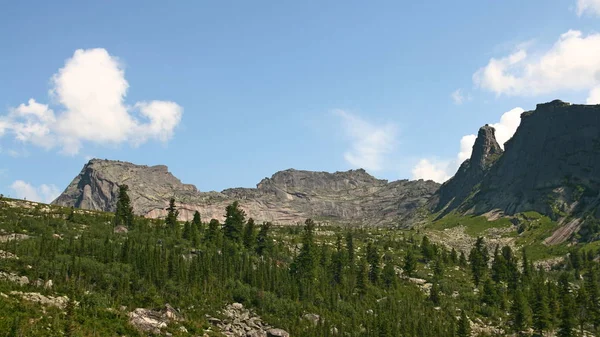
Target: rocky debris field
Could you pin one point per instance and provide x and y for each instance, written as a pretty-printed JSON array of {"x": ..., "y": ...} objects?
[{"x": 241, "y": 322}]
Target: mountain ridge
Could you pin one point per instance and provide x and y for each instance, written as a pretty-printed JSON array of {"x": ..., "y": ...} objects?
[{"x": 288, "y": 196}]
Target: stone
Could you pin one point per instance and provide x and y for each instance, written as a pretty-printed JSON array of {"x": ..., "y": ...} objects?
[
  {"x": 550, "y": 166},
  {"x": 277, "y": 333},
  {"x": 287, "y": 197},
  {"x": 313, "y": 318}
]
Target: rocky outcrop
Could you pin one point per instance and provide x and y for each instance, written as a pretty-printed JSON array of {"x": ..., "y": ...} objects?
[
  {"x": 486, "y": 151},
  {"x": 287, "y": 197},
  {"x": 153, "y": 321},
  {"x": 240, "y": 322},
  {"x": 550, "y": 165}
]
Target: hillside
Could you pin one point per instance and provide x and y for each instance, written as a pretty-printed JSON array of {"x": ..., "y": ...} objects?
[
  {"x": 288, "y": 197},
  {"x": 550, "y": 166}
]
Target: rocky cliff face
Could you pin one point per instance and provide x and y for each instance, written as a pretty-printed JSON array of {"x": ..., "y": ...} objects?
[
  {"x": 289, "y": 196},
  {"x": 551, "y": 165}
]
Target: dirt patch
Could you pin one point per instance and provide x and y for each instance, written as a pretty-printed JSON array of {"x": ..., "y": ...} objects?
[{"x": 563, "y": 232}]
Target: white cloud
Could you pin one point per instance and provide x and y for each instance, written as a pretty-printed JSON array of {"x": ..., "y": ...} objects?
[
  {"x": 594, "y": 96},
  {"x": 442, "y": 170},
  {"x": 43, "y": 193},
  {"x": 432, "y": 169},
  {"x": 466, "y": 147},
  {"x": 459, "y": 97},
  {"x": 370, "y": 142},
  {"x": 590, "y": 6},
  {"x": 90, "y": 93},
  {"x": 571, "y": 64}
]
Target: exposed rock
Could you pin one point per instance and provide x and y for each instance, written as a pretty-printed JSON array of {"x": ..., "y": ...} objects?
[
  {"x": 241, "y": 322},
  {"x": 8, "y": 255},
  {"x": 11, "y": 237},
  {"x": 550, "y": 166},
  {"x": 121, "y": 230},
  {"x": 11, "y": 277},
  {"x": 313, "y": 318},
  {"x": 277, "y": 333},
  {"x": 59, "y": 301},
  {"x": 147, "y": 320},
  {"x": 287, "y": 197}
]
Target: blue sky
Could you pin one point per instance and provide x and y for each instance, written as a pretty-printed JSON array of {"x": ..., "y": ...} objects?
[{"x": 226, "y": 93}]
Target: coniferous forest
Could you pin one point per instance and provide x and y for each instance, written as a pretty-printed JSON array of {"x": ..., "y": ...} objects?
[{"x": 358, "y": 281}]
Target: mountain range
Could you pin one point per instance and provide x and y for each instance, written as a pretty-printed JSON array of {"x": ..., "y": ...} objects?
[{"x": 551, "y": 165}]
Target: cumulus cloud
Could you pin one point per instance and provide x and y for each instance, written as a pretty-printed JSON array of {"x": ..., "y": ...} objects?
[
  {"x": 432, "y": 169},
  {"x": 459, "y": 97},
  {"x": 588, "y": 6},
  {"x": 43, "y": 193},
  {"x": 594, "y": 96},
  {"x": 571, "y": 64},
  {"x": 369, "y": 142},
  {"x": 90, "y": 92},
  {"x": 442, "y": 170}
]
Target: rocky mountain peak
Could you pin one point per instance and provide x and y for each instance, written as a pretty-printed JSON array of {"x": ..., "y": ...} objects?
[
  {"x": 289, "y": 196},
  {"x": 486, "y": 149}
]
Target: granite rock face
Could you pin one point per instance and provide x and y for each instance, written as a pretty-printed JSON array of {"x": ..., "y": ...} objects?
[
  {"x": 551, "y": 165},
  {"x": 287, "y": 197}
]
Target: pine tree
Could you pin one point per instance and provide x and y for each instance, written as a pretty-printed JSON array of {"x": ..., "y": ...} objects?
[
  {"x": 410, "y": 263},
  {"x": 304, "y": 266},
  {"x": 234, "y": 222},
  {"x": 434, "y": 294},
  {"x": 263, "y": 243},
  {"x": 463, "y": 328},
  {"x": 389, "y": 275},
  {"x": 541, "y": 311},
  {"x": 567, "y": 308},
  {"x": 213, "y": 231},
  {"x": 124, "y": 211},
  {"x": 350, "y": 247},
  {"x": 249, "y": 237},
  {"x": 489, "y": 295},
  {"x": 520, "y": 313},
  {"x": 374, "y": 261},
  {"x": 361, "y": 278},
  {"x": 478, "y": 259},
  {"x": 337, "y": 264},
  {"x": 173, "y": 213},
  {"x": 426, "y": 249},
  {"x": 187, "y": 231}
]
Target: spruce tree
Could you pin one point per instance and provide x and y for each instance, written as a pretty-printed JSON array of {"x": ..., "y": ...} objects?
[
  {"x": 234, "y": 222},
  {"x": 374, "y": 261},
  {"x": 463, "y": 328},
  {"x": 172, "y": 214},
  {"x": 124, "y": 211},
  {"x": 337, "y": 264},
  {"x": 304, "y": 266},
  {"x": 263, "y": 243},
  {"x": 567, "y": 308},
  {"x": 520, "y": 313},
  {"x": 410, "y": 263},
  {"x": 361, "y": 278},
  {"x": 478, "y": 259},
  {"x": 350, "y": 247},
  {"x": 541, "y": 311},
  {"x": 249, "y": 237}
]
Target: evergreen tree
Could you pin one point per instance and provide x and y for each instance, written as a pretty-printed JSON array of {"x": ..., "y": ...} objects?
[
  {"x": 567, "y": 308},
  {"x": 410, "y": 263},
  {"x": 234, "y": 222},
  {"x": 173, "y": 213},
  {"x": 541, "y": 311},
  {"x": 213, "y": 231},
  {"x": 304, "y": 266},
  {"x": 478, "y": 259},
  {"x": 263, "y": 243},
  {"x": 438, "y": 268},
  {"x": 361, "y": 278},
  {"x": 520, "y": 313},
  {"x": 593, "y": 292},
  {"x": 462, "y": 260},
  {"x": 124, "y": 211},
  {"x": 489, "y": 295},
  {"x": 249, "y": 238},
  {"x": 453, "y": 256},
  {"x": 187, "y": 231},
  {"x": 463, "y": 328},
  {"x": 374, "y": 261},
  {"x": 337, "y": 264},
  {"x": 389, "y": 273},
  {"x": 434, "y": 293},
  {"x": 350, "y": 247},
  {"x": 426, "y": 249}
]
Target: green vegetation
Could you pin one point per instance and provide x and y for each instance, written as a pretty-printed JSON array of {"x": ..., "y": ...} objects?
[{"x": 361, "y": 281}]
